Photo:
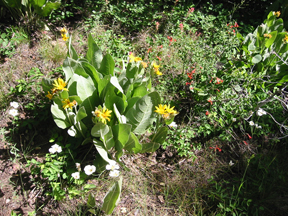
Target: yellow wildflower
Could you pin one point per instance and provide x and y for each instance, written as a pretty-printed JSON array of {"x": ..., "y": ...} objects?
[
  {"x": 166, "y": 111},
  {"x": 59, "y": 84},
  {"x": 63, "y": 31},
  {"x": 144, "y": 64},
  {"x": 171, "y": 110},
  {"x": 68, "y": 104},
  {"x": 49, "y": 95},
  {"x": 267, "y": 35},
  {"x": 155, "y": 66},
  {"x": 277, "y": 14},
  {"x": 158, "y": 73},
  {"x": 64, "y": 37},
  {"x": 161, "y": 109},
  {"x": 285, "y": 39},
  {"x": 133, "y": 58},
  {"x": 103, "y": 114}
]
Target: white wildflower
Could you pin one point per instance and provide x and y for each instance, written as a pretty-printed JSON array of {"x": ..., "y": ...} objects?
[
  {"x": 261, "y": 112},
  {"x": 173, "y": 125},
  {"x": 13, "y": 112},
  {"x": 234, "y": 119},
  {"x": 55, "y": 148},
  {"x": 258, "y": 126},
  {"x": 112, "y": 165},
  {"x": 123, "y": 210},
  {"x": 251, "y": 123},
  {"x": 114, "y": 173},
  {"x": 14, "y": 104},
  {"x": 76, "y": 175},
  {"x": 231, "y": 163},
  {"x": 89, "y": 169},
  {"x": 78, "y": 166}
]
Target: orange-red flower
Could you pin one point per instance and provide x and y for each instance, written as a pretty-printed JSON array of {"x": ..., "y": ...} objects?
[
  {"x": 210, "y": 101},
  {"x": 218, "y": 81}
]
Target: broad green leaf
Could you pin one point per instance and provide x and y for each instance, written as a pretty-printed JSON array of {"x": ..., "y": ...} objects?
[
  {"x": 256, "y": 59},
  {"x": 132, "y": 102},
  {"x": 112, "y": 197},
  {"x": 49, "y": 7},
  {"x": 101, "y": 150},
  {"x": 121, "y": 118},
  {"x": 68, "y": 69},
  {"x": 94, "y": 54},
  {"x": 131, "y": 71},
  {"x": 91, "y": 201},
  {"x": 114, "y": 82},
  {"x": 59, "y": 116},
  {"x": 107, "y": 65},
  {"x": 92, "y": 72},
  {"x": 103, "y": 83},
  {"x": 160, "y": 135},
  {"x": 71, "y": 51},
  {"x": 85, "y": 90},
  {"x": 89, "y": 186},
  {"x": 64, "y": 95},
  {"x": 81, "y": 114},
  {"x": 133, "y": 145},
  {"x": 38, "y": 3},
  {"x": 271, "y": 40},
  {"x": 142, "y": 114},
  {"x": 140, "y": 91},
  {"x": 61, "y": 123},
  {"x": 95, "y": 131},
  {"x": 107, "y": 137},
  {"x": 121, "y": 134},
  {"x": 150, "y": 147},
  {"x": 47, "y": 84}
]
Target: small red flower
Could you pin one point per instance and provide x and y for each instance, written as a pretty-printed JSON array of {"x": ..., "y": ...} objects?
[
  {"x": 228, "y": 24},
  {"x": 191, "y": 10},
  {"x": 236, "y": 25},
  {"x": 231, "y": 26},
  {"x": 218, "y": 81},
  {"x": 249, "y": 136},
  {"x": 157, "y": 25},
  {"x": 207, "y": 113},
  {"x": 161, "y": 46},
  {"x": 210, "y": 101},
  {"x": 159, "y": 58},
  {"x": 170, "y": 38},
  {"x": 211, "y": 80},
  {"x": 216, "y": 148},
  {"x": 245, "y": 142},
  {"x": 233, "y": 30},
  {"x": 149, "y": 50},
  {"x": 181, "y": 26},
  {"x": 187, "y": 83}
]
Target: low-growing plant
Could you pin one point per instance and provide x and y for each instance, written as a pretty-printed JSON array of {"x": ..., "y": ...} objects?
[{"x": 106, "y": 109}]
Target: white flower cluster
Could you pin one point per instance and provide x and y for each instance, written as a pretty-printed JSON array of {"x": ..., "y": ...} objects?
[
  {"x": 14, "y": 111},
  {"x": 89, "y": 169},
  {"x": 113, "y": 167},
  {"x": 173, "y": 125},
  {"x": 251, "y": 123},
  {"x": 55, "y": 148},
  {"x": 261, "y": 112}
]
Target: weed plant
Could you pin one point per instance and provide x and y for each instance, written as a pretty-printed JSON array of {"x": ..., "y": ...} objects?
[{"x": 215, "y": 77}]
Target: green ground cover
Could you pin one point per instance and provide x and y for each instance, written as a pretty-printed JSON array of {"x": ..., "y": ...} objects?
[{"x": 182, "y": 111}]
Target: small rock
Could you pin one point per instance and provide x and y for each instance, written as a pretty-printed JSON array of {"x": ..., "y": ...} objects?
[{"x": 7, "y": 201}]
